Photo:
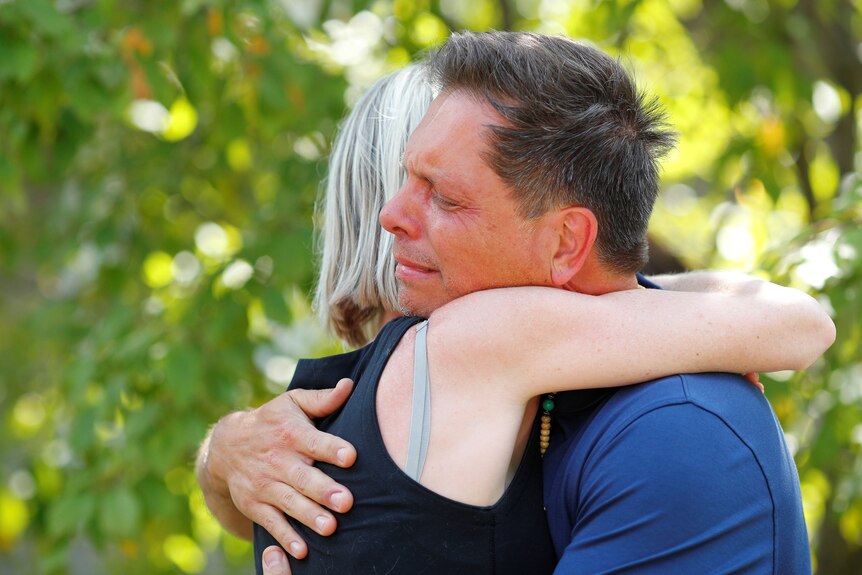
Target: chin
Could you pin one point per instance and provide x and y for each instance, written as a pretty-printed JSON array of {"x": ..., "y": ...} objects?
[
  {"x": 410, "y": 307},
  {"x": 413, "y": 311}
]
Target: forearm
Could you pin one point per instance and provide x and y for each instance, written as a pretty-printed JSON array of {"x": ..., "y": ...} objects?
[
  {"x": 723, "y": 281},
  {"x": 579, "y": 341},
  {"x": 217, "y": 495},
  {"x": 746, "y": 325},
  {"x": 797, "y": 319}
]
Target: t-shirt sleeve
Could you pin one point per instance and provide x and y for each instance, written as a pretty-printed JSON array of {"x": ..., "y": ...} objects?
[{"x": 676, "y": 491}]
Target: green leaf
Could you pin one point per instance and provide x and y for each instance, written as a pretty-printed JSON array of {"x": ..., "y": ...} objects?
[
  {"x": 83, "y": 431},
  {"x": 10, "y": 180},
  {"x": 119, "y": 513},
  {"x": 69, "y": 513},
  {"x": 275, "y": 305},
  {"x": 184, "y": 374},
  {"x": 18, "y": 61},
  {"x": 45, "y": 17},
  {"x": 140, "y": 422}
]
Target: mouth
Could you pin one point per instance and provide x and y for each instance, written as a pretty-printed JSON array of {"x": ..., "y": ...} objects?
[{"x": 407, "y": 270}]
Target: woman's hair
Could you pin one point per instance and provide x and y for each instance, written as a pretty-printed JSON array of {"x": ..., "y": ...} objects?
[{"x": 357, "y": 272}]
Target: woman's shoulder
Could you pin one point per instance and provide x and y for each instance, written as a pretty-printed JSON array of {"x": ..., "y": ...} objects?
[
  {"x": 391, "y": 333},
  {"x": 324, "y": 372}
]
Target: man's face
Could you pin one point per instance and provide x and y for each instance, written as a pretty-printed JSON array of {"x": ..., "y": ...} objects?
[{"x": 455, "y": 223}]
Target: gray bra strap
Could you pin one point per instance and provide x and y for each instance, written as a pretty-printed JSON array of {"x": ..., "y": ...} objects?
[{"x": 420, "y": 416}]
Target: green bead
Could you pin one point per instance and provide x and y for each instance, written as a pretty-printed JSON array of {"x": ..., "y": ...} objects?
[{"x": 548, "y": 404}]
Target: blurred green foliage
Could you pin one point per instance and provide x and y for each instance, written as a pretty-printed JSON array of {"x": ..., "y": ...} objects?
[{"x": 159, "y": 162}]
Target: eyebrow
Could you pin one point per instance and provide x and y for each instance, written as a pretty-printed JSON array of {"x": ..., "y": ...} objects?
[{"x": 435, "y": 175}]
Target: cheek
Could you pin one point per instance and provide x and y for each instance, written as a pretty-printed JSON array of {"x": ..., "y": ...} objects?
[
  {"x": 474, "y": 257},
  {"x": 477, "y": 268}
]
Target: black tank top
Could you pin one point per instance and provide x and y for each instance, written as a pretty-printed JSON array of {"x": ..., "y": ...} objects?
[{"x": 397, "y": 526}]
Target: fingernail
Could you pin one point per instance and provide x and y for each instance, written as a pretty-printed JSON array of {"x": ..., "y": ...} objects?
[
  {"x": 320, "y": 522},
  {"x": 295, "y": 548},
  {"x": 337, "y": 499},
  {"x": 341, "y": 455},
  {"x": 274, "y": 558}
]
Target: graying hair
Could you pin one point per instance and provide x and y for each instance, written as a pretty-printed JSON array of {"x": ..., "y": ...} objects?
[{"x": 356, "y": 283}]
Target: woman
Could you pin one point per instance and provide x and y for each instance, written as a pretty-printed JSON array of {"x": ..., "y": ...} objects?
[
  {"x": 505, "y": 374},
  {"x": 356, "y": 288}
]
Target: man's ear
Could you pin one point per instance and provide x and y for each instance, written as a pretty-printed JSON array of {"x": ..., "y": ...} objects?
[{"x": 577, "y": 229}]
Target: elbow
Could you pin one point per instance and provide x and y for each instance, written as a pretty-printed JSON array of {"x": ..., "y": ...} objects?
[
  {"x": 817, "y": 338},
  {"x": 826, "y": 332}
]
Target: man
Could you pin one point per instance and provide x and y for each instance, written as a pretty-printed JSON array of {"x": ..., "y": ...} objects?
[{"x": 677, "y": 475}]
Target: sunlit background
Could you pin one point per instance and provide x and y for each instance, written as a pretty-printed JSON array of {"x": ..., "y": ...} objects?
[{"x": 159, "y": 163}]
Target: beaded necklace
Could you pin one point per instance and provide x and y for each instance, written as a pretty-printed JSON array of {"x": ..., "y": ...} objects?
[{"x": 545, "y": 431}]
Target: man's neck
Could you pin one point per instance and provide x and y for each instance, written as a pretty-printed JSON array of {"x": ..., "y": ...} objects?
[{"x": 595, "y": 279}]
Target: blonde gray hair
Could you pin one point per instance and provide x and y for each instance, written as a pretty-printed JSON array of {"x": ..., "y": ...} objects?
[{"x": 356, "y": 283}]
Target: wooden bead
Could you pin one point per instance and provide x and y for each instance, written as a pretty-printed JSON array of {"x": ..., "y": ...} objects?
[{"x": 545, "y": 430}]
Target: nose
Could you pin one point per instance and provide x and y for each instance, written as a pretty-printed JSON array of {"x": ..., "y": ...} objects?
[{"x": 397, "y": 217}]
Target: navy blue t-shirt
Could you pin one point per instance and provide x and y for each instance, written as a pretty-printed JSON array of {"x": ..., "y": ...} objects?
[{"x": 684, "y": 474}]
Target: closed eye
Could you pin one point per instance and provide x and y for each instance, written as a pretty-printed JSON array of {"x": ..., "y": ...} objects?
[{"x": 443, "y": 202}]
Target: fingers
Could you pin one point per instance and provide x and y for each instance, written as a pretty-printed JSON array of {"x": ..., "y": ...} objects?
[
  {"x": 275, "y": 561},
  {"x": 307, "y": 506},
  {"x": 754, "y": 378},
  {"x": 276, "y": 524},
  {"x": 266, "y": 457},
  {"x": 322, "y": 402},
  {"x": 269, "y": 460},
  {"x": 292, "y": 486},
  {"x": 306, "y": 439},
  {"x": 289, "y": 481},
  {"x": 312, "y": 483}
]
